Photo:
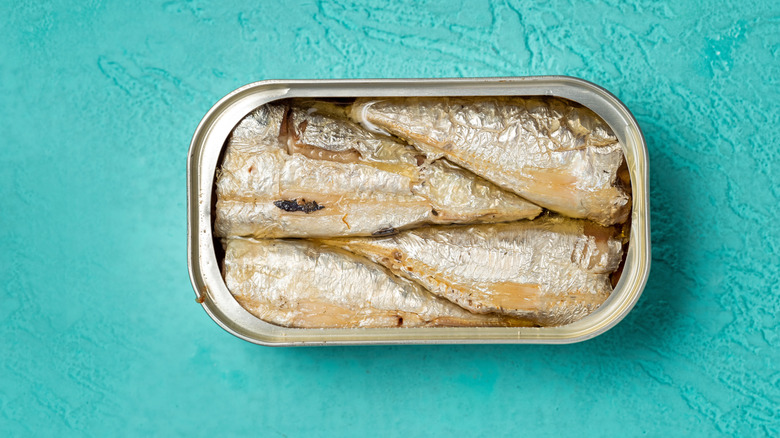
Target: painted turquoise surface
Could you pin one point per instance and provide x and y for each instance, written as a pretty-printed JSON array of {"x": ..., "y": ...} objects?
[{"x": 99, "y": 330}]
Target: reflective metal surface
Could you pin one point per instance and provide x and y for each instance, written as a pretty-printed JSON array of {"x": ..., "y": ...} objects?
[{"x": 216, "y": 126}]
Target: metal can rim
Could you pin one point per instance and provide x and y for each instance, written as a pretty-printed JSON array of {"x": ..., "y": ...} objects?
[{"x": 219, "y": 121}]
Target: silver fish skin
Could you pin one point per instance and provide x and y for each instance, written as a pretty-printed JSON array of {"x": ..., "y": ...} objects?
[
  {"x": 307, "y": 171},
  {"x": 552, "y": 270},
  {"x": 297, "y": 283},
  {"x": 559, "y": 156}
]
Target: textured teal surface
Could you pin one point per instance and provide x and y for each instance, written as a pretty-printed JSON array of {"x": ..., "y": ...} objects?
[{"x": 99, "y": 330}]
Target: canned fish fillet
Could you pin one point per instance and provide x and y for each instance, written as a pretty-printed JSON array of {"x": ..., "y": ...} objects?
[{"x": 422, "y": 211}]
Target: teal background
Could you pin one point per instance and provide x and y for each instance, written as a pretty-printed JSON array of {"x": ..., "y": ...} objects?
[{"x": 99, "y": 330}]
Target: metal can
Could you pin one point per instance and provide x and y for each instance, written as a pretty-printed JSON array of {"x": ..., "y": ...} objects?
[{"x": 212, "y": 132}]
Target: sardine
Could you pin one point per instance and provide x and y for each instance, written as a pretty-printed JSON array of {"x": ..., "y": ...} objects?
[
  {"x": 552, "y": 270},
  {"x": 560, "y": 156},
  {"x": 307, "y": 171},
  {"x": 297, "y": 283}
]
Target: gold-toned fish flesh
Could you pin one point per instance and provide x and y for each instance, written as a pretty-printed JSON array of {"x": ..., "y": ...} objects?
[
  {"x": 552, "y": 270},
  {"x": 556, "y": 154},
  {"x": 307, "y": 171},
  {"x": 297, "y": 283}
]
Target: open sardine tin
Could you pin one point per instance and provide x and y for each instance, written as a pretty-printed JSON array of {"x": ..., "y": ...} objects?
[{"x": 213, "y": 131}]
